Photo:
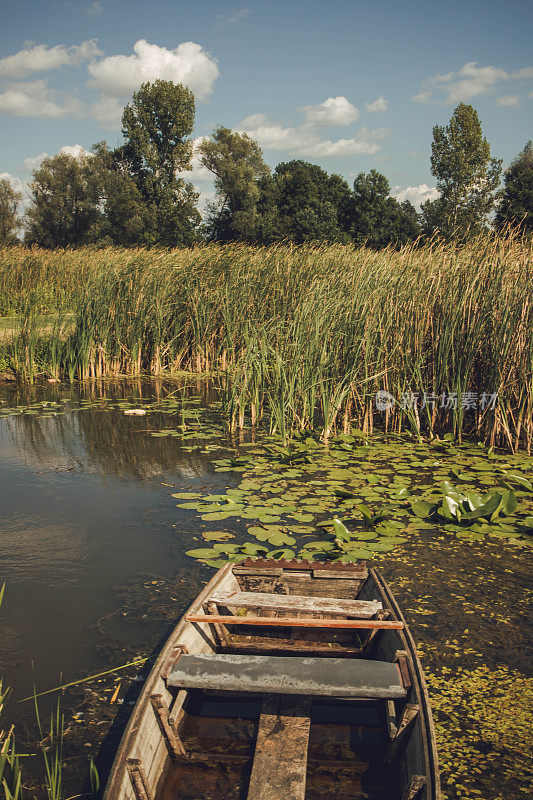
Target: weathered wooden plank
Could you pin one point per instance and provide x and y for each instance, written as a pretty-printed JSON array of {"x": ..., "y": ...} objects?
[
  {"x": 163, "y": 716},
  {"x": 409, "y": 715},
  {"x": 277, "y": 646},
  {"x": 364, "y": 609},
  {"x": 296, "y": 622},
  {"x": 280, "y": 761},
  {"x": 403, "y": 662},
  {"x": 324, "y": 677},
  {"x": 416, "y": 785},
  {"x": 328, "y": 573}
]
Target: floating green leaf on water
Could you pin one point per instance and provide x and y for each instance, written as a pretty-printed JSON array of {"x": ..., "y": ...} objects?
[
  {"x": 202, "y": 552},
  {"x": 217, "y": 536}
]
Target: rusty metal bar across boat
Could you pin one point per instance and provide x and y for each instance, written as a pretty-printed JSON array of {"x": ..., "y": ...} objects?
[{"x": 296, "y": 622}]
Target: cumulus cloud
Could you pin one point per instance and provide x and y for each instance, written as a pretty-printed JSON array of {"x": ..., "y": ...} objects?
[
  {"x": 377, "y": 106},
  {"x": 508, "y": 100},
  {"x": 198, "y": 173},
  {"x": 302, "y": 140},
  {"x": 75, "y": 150},
  {"x": 40, "y": 58},
  {"x": 342, "y": 147},
  {"x": 34, "y": 162},
  {"x": 188, "y": 63},
  {"x": 472, "y": 80},
  {"x": 16, "y": 183},
  {"x": 415, "y": 194},
  {"x": 35, "y": 99},
  {"x": 332, "y": 111},
  {"x": 108, "y": 112}
]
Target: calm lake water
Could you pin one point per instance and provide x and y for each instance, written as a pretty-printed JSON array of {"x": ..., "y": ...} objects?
[{"x": 92, "y": 553}]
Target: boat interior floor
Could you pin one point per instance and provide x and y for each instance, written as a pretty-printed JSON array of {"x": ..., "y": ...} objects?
[{"x": 280, "y": 747}]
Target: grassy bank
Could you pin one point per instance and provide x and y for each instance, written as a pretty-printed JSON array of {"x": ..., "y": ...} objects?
[{"x": 305, "y": 336}]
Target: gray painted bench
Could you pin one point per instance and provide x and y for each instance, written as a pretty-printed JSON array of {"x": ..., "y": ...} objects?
[{"x": 326, "y": 677}]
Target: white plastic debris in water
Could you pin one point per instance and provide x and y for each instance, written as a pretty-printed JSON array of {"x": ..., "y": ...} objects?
[{"x": 137, "y": 412}]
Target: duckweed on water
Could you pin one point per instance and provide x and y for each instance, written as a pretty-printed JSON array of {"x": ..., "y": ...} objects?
[{"x": 484, "y": 728}]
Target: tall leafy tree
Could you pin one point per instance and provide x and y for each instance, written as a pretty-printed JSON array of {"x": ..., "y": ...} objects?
[
  {"x": 64, "y": 204},
  {"x": 467, "y": 176},
  {"x": 516, "y": 207},
  {"x": 9, "y": 219},
  {"x": 126, "y": 220},
  {"x": 236, "y": 161},
  {"x": 157, "y": 126},
  {"x": 374, "y": 218},
  {"x": 302, "y": 203}
]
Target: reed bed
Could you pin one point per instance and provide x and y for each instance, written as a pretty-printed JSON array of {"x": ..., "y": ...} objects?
[{"x": 302, "y": 337}]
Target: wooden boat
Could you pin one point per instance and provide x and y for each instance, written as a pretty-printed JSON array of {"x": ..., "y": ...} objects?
[{"x": 284, "y": 680}]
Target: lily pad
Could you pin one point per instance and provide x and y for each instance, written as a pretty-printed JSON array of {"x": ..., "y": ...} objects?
[
  {"x": 278, "y": 539},
  {"x": 202, "y": 552},
  {"x": 217, "y": 536}
]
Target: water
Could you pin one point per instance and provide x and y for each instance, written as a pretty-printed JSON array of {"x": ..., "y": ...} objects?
[{"x": 92, "y": 553}]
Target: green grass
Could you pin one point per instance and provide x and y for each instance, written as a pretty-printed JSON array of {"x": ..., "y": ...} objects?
[{"x": 303, "y": 337}]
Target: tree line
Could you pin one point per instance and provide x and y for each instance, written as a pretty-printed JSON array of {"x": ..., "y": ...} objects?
[{"x": 138, "y": 194}]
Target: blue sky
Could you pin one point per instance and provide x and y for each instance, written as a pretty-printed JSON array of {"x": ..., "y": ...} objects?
[{"x": 346, "y": 84}]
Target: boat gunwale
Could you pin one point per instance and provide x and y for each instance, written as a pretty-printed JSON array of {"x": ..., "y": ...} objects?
[
  {"x": 142, "y": 704},
  {"x": 427, "y": 730}
]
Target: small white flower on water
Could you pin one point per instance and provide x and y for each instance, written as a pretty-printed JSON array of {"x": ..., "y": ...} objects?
[{"x": 136, "y": 412}]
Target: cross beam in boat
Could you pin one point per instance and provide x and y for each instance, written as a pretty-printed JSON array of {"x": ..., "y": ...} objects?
[{"x": 296, "y": 622}]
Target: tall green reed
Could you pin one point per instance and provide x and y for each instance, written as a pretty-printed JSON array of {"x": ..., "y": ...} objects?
[{"x": 306, "y": 335}]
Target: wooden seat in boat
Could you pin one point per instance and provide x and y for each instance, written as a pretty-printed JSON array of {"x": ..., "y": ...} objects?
[
  {"x": 327, "y": 677},
  {"x": 361, "y": 609}
]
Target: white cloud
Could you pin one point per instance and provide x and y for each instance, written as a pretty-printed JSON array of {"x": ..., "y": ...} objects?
[
  {"x": 468, "y": 82},
  {"x": 333, "y": 111},
  {"x": 16, "y": 183},
  {"x": 35, "y": 99},
  {"x": 302, "y": 140},
  {"x": 188, "y": 64},
  {"x": 378, "y": 105},
  {"x": 108, "y": 112},
  {"x": 75, "y": 150},
  {"x": 342, "y": 147},
  {"x": 40, "y": 57},
  {"x": 415, "y": 194},
  {"x": 236, "y": 16},
  {"x": 34, "y": 162},
  {"x": 526, "y": 73},
  {"x": 508, "y": 100},
  {"x": 199, "y": 173},
  {"x": 275, "y": 137}
]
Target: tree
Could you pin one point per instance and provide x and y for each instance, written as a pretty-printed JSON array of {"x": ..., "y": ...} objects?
[
  {"x": 9, "y": 219},
  {"x": 236, "y": 161},
  {"x": 65, "y": 205},
  {"x": 126, "y": 219},
  {"x": 467, "y": 176},
  {"x": 375, "y": 219},
  {"x": 301, "y": 202},
  {"x": 157, "y": 125},
  {"x": 516, "y": 207}
]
